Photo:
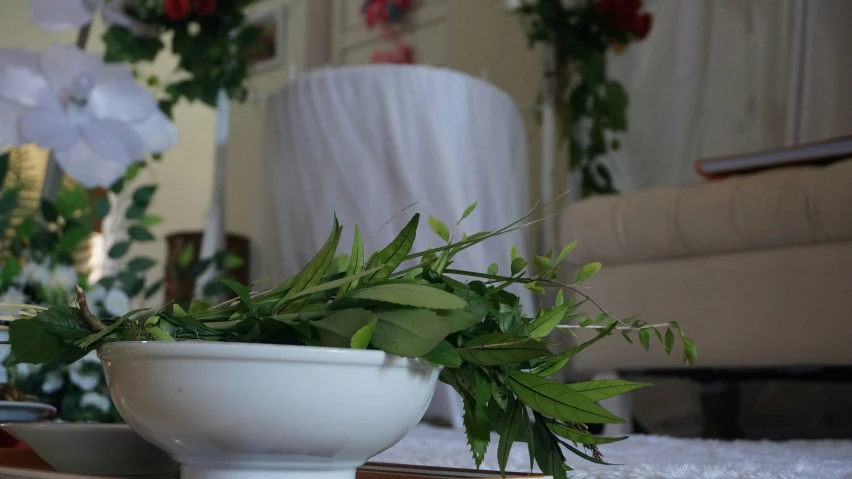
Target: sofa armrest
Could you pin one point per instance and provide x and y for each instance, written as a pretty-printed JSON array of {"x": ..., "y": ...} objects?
[{"x": 778, "y": 208}]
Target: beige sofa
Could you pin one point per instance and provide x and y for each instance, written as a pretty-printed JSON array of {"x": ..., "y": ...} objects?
[{"x": 757, "y": 269}]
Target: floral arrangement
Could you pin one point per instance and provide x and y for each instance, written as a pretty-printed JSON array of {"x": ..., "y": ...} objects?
[
  {"x": 411, "y": 305},
  {"x": 591, "y": 107},
  {"x": 386, "y": 14}
]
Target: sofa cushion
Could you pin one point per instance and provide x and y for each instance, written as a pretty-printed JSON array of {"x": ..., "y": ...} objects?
[{"x": 774, "y": 208}]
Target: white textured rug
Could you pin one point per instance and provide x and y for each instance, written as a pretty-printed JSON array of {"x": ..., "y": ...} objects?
[{"x": 649, "y": 457}]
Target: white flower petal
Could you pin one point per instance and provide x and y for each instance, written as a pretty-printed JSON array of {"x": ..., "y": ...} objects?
[
  {"x": 9, "y": 115},
  {"x": 88, "y": 167},
  {"x": 53, "y": 381},
  {"x": 96, "y": 294},
  {"x": 117, "y": 96},
  {"x": 113, "y": 139},
  {"x": 48, "y": 129},
  {"x": 117, "y": 303},
  {"x": 21, "y": 80},
  {"x": 84, "y": 380},
  {"x": 158, "y": 132},
  {"x": 63, "y": 277},
  {"x": 96, "y": 400},
  {"x": 61, "y": 14},
  {"x": 61, "y": 63}
]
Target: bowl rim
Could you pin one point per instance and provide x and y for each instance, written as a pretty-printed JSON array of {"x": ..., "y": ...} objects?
[
  {"x": 231, "y": 351},
  {"x": 64, "y": 425}
]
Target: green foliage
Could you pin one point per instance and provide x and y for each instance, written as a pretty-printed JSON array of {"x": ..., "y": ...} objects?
[{"x": 493, "y": 355}]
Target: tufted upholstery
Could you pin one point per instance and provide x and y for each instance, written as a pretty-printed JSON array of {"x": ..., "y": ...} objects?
[{"x": 777, "y": 208}]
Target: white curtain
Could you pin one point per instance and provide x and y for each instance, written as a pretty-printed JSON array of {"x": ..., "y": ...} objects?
[
  {"x": 364, "y": 142},
  {"x": 718, "y": 77}
]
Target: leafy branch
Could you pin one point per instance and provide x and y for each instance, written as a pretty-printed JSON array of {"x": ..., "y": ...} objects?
[{"x": 494, "y": 355}]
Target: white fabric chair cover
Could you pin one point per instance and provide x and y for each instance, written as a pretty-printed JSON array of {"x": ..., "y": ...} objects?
[{"x": 364, "y": 142}]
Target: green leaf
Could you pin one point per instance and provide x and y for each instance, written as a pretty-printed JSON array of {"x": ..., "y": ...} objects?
[
  {"x": 230, "y": 261},
  {"x": 72, "y": 238},
  {"x": 467, "y": 212},
  {"x": 187, "y": 254},
  {"x": 417, "y": 295},
  {"x": 49, "y": 211},
  {"x": 408, "y": 332},
  {"x": 71, "y": 203},
  {"x": 143, "y": 194},
  {"x": 151, "y": 220},
  {"x": 690, "y": 353},
  {"x": 560, "y": 300},
  {"x": 587, "y": 272},
  {"x": 140, "y": 233},
  {"x": 445, "y": 355},
  {"x": 152, "y": 290},
  {"x": 10, "y": 270},
  {"x": 548, "y": 320},
  {"x": 459, "y": 320},
  {"x": 509, "y": 321},
  {"x": 313, "y": 272},
  {"x": 413, "y": 273},
  {"x": 135, "y": 212},
  {"x": 92, "y": 339},
  {"x": 669, "y": 340},
  {"x": 141, "y": 263},
  {"x": 493, "y": 268},
  {"x": 513, "y": 425},
  {"x": 543, "y": 262},
  {"x": 197, "y": 306},
  {"x": 119, "y": 249},
  {"x": 494, "y": 349},
  {"x": 478, "y": 432},
  {"x": 645, "y": 338},
  {"x": 356, "y": 262},
  {"x": 32, "y": 343},
  {"x": 26, "y": 228},
  {"x": 102, "y": 206},
  {"x": 4, "y": 166},
  {"x": 514, "y": 252},
  {"x": 580, "y": 437},
  {"x": 339, "y": 329},
  {"x": 160, "y": 335},
  {"x": 565, "y": 252},
  {"x": 338, "y": 265},
  {"x": 394, "y": 253},
  {"x": 439, "y": 228},
  {"x": 239, "y": 288},
  {"x": 548, "y": 455},
  {"x": 558, "y": 361},
  {"x": 518, "y": 265},
  {"x": 62, "y": 321},
  {"x": 535, "y": 287},
  {"x": 558, "y": 400},
  {"x": 500, "y": 392},
  {"x": 605, "y": 388}
]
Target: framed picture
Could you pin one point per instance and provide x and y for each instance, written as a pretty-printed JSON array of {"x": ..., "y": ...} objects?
[{"x": 271, "y": 47}]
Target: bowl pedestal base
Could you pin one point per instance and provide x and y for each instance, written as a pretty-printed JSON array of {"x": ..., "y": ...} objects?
[{"x": 202, "y": 473}]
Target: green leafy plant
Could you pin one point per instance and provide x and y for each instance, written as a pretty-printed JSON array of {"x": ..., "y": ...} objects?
[
  {"x": 591, "y": 107},
  {"x": 411, "y": 305}
]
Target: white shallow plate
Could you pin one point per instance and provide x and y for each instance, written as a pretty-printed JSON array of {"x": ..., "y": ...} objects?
[
  {"x": 12, "y": 411},
  {"x": 111, "y": 450},
  {"x": 15, "y": 473}
]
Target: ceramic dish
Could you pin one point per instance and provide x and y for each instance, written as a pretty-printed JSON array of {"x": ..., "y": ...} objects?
[
  {"x": 13, "y": 411},
  {"x": 96, "y": 449}
]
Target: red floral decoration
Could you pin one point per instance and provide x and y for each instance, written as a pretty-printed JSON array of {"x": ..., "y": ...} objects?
[
  {"x": 626, "y": 16},
  {"x": 204, "y": 7},
  {"x": 386, "y": 13},
  {"x": 176, "y": 9}
]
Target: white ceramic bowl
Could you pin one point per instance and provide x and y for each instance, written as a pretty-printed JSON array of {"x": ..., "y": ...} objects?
[
  {"x": 95, "y": 449},
  {"x": 260, "y": 411}
]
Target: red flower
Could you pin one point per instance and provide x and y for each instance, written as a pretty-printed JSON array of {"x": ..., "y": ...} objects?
[
  {"x": 204, "y": 7},
  {"x": 641, "y": 25},
  {"x": 176, "y": 9}
]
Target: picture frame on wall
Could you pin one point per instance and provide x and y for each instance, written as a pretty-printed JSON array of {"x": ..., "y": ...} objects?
[{"x": 271, "y": 51}]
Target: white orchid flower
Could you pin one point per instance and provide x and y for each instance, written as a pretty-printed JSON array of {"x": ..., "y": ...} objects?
[
  {"x": 62, "y": 277},
  {"x": 69, "y": 14},
  {"x": 96, "y": 400},
  {"x": 94, "y": 116}
]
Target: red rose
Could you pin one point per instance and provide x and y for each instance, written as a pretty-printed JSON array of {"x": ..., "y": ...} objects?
[
  {"x": 604, "y": 7},
  {"x": 641, "y": 25},
  {"x": 204, "y": 7},
  {"x": 176, "y": 9}
]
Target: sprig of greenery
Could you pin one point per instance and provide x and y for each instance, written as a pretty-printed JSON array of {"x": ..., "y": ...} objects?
[{"x": 494, "y": 355}]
